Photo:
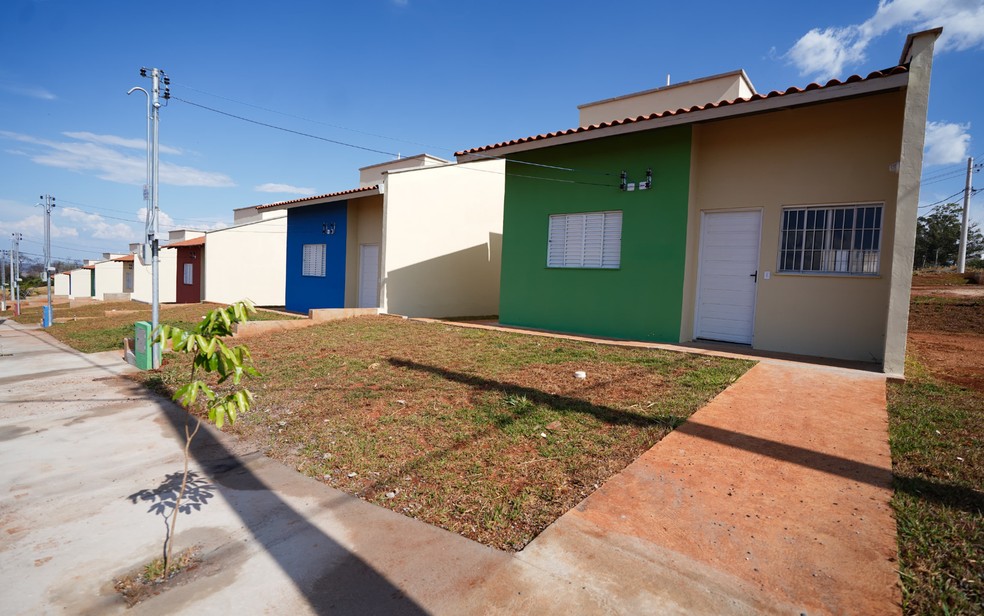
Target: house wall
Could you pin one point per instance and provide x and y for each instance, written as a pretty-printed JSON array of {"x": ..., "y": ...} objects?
[
  {"x": 62, "y": 284},
  {"x": 830, "y": 154},
  {"x": 728, "y": 86},
  {"x": 109, "y": 278},
  {"x": 640, "y": 300},
  {"x": 195, "y": 257},
  {"x": 247, "y": 262},
  {"x": 143, "y": 279},
  {"x": 443, "y": 240},
  {"x": 365, "y": 226},
  {"x": 304, "y": 226},
  {"x": 81, "y": 282}
]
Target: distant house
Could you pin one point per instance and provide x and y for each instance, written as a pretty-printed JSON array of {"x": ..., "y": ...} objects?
[
  {"x": 113, "y": 277},
  {"x": 247, "y": 260},
  {"x": 784, "y": 221},
  {"x": 62, "y": 284},
  {"x": 143, "y": 275},
  {"x": 189, "y": 247},
  {"x": 419, "y": 237},
  {"x": 83, "y": 282}
]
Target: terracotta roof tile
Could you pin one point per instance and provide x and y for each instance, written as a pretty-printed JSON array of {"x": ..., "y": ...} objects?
[
  {"x": 351, "y": 191},
  {"x": 755, "y": 97},
  {"x": 195, "y": 241},
  {"x": 126, "y": 258}
]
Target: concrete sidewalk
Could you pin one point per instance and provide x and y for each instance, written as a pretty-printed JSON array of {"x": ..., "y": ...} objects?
[{"x": 773, "y": 499}]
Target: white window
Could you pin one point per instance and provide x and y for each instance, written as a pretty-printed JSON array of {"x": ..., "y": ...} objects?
[
  {"x": 189, "y": 273},
  {"x": 831, "y": 240},
  {"x": 590, "y": 240},
  {"x": 314, "y": 260}
]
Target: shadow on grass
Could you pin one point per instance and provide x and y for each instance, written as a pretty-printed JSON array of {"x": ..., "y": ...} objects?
[
  {"x": 946, "y": 494},
  {"x": 564, "y": 404}
]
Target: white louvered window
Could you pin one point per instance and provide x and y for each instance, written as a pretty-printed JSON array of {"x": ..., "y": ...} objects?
[
  {"x": 314, "y": 260},
  {"x": 189, "y": 273},
  {"x": 589, "y": 240}
]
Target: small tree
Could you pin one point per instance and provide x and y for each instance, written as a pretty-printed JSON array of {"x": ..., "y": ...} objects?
[
  {"x": 938, "y": 237},
  {"x": 212, "y": 356}
]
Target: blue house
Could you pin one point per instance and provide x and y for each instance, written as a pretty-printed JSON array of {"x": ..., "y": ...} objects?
[{"x": 333, "y": 244}]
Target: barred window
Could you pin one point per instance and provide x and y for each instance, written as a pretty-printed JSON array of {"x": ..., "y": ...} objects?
[
  {"x": 590, "y": 240},
  {"x": 831, "y": 240}
]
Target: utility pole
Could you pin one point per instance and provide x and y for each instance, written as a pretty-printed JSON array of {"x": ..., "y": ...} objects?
[
  {"x": 962, "y": 259},
  {"x": 15, "y": 239},
  {"x": 49, "y": 204},
  {"x": 151, "y": 240},
  {"x": 3, "y": 281}
]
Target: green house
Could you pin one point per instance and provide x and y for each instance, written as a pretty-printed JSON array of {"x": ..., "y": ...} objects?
[{"x": 706, "y": 211}]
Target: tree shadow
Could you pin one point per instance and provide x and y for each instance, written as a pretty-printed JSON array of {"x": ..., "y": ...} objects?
[
  {"x": 324, "y": 572},
  {"x": 163, "y": 498}
]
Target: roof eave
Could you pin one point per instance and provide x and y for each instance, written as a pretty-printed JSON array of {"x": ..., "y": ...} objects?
[
  {"x": 796, "y": 99},
  {"x": 356, "y": 193}
]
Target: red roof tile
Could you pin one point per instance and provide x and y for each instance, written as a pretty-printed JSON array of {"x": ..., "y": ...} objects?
[
  {"x": 126, "y": 258},
  {"x": 351, "y": 191},
  {"x": 195, "y": 241},
  {"x": 755, "y": 97}
]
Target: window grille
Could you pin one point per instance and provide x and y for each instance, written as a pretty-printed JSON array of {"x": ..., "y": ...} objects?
[{"x": 831, "y": 240}]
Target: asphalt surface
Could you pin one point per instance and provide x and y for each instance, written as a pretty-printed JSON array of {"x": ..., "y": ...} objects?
[{"x": 88, "y": 459}]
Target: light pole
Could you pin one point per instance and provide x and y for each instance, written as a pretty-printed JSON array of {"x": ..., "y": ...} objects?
[
  {"x": 150, "y": 190},
  {"x": 49, "y": 204},
  {"x": 15, "y": 239},
  {"x": 3, "y": 281}
]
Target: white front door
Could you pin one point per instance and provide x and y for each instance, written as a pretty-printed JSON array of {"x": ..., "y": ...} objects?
[
  {"x": 728, "y": 274},
  {"x": 368, "y": 275}
]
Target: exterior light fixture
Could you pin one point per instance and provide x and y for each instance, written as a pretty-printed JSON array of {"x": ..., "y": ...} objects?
[{"x": 328, "y": 228}]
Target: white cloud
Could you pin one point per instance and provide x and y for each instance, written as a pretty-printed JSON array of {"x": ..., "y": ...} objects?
[
  {"x": 34, "y": 226},
  {"x": 137, "y": 144},
  {"x": 98, "y": 154},
  {"x": 823, "y": 53},
  {"x": 271, "y": 187},
  {"x": 29, "y": 91},
  {"x": 95, "y": 226},
  {"x": 946, "y": 143}
]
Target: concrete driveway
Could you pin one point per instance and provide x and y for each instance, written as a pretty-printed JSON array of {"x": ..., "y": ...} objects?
[{"x": 773, "y": 499}]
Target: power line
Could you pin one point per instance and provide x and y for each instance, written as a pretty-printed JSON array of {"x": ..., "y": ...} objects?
[
  {"x": 945, "y": 199},
  {"x": 396, "y": 154}
]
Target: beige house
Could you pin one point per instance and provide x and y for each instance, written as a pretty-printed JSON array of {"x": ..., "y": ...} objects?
[
  {"x": 782, "y": 221},
  {"x": 247, "y": 260},
  {"x": 419, "y": 237}
]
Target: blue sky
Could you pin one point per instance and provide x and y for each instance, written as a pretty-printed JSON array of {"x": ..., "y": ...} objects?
[{"x": 397, "y": 77}]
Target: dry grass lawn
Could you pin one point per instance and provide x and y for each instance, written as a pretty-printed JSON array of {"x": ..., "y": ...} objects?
[{"x": 487, "y": 434}]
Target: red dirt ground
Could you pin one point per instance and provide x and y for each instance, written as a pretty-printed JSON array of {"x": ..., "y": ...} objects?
[{"x": 946, "y": 326}]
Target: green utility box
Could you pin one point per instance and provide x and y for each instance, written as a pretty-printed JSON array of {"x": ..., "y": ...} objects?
[{"x": 143, "y": 351}]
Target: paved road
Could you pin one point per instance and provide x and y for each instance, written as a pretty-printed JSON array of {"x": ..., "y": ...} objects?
[{"x": 80, "y": 446}]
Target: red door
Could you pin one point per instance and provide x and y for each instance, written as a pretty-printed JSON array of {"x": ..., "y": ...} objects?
[{"x": 189, "y": 282}]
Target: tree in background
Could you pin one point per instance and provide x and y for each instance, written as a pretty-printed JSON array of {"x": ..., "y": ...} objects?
[{"x": 938, "y": 237}]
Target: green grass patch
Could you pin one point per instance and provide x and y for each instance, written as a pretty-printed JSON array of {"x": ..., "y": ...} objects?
[
  {"x": 92, "y": 328},
  {"x": 937, "y": 441}
]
